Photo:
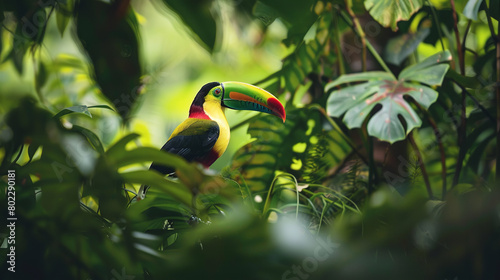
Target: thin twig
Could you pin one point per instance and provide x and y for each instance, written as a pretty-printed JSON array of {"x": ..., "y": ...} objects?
[
  {"x": 477, "y": 103},
  {"x": 498, "y": 106},
  {"x": 370, "y": 47},
  {"x": 421, "y": 165},
  {"x": 465, "y": 38},
  {"x": 490, "y": 22},
  {"x": 438, "y": 25},
  {"x": 462, "y": 128},
  {"x": 339, "y": 130},
  {"x": 372, "y": 175},
  {"x": 438, "y": 135},
  {"x": 359, "y": 31},
  {"x": 497, "y": 38},
  {"x": 337, "y": 45},
  {"x": 457, "y": 38}
]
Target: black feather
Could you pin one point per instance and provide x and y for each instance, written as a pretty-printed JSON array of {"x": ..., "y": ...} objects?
[{"x": 193, "y": 143}]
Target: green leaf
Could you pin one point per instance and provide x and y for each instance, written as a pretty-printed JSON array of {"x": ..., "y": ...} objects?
[
  {"x": 358, "y": 101},
  {"x": 358, "y": 77},
  {"x": 197, "y": 16},
  {"x": 1, "y": 35},
  {"x": 388, "y": 12},
  {"x": 265, "y": 13},
  {"x": 402, "y": 46},
  {"x": 113, "y": 51},
  {"x": 63, "y": 14},
  {"x": 21, "y": 44},
  {"x": 385, "y": 123},
  {"x": 32, "y": 150},
  {"x": 186, "y": 172},
  {"x": 424, "y": 95},
  {"x": 119, "y": 147},
  {"x": 349, "y": 97},
  {"x": 70, "y": 61},
  {"x": 148, "y": 154},
  {"x": 465, "y": 81},
  {"x": 155, "y": 180},
  {"x": 101, "y": 106},
  {"x": 472, "y": 9},
  {"x": 82, "y": 109},
  {"x": 91, "y": 137},
  {"x": 41, "y": 76},
  {"x": 62, "y": 22},
  {"x": 430, "y": 71}
]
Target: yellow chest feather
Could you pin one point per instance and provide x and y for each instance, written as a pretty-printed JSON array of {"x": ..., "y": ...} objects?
[{"x": 215, "y": 111}]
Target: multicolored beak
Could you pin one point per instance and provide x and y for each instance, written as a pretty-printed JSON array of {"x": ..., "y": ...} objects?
[{"x": 242, "y": 96}]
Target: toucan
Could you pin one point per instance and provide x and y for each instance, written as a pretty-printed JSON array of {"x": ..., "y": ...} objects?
[{"x": 204, "y": 136}]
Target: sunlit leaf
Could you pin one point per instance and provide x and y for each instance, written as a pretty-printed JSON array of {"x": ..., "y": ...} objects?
[
  {"x": 388, "y": 13},
  {"x": 429, "y": 71},
  {"x": 119, "y": 147},
  {"x": 32, "y": 149},
  {"x": 358, "y": 77},
  {"x": 83, "y": 109},
  {"x": 472, "y": 9}
]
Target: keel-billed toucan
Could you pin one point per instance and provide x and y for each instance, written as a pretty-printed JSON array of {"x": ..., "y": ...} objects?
[{"x": 204, "y": 136}]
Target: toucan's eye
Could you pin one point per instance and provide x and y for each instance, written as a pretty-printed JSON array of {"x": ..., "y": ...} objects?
[{"x": 217, "y": 91}]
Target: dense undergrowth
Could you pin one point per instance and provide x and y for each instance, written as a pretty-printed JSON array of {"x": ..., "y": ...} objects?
[{"x": 384, "y": 169}]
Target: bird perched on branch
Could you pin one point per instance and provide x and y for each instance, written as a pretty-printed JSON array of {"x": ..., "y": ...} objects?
[{"x": 204, "y": 136}]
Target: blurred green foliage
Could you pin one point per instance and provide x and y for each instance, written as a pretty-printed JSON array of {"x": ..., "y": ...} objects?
[{"x": 90, "y": 89}]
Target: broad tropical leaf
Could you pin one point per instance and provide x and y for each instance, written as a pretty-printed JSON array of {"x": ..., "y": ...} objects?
[
  {"x": 197, "y": 17},
  {"x": 113, "y": 51},
  {"x": 381, "y": 88},
  {"x": 388, "y": 12}
]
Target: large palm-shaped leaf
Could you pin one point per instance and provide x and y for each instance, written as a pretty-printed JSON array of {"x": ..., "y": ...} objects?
[{"x": 357, "y": 101}]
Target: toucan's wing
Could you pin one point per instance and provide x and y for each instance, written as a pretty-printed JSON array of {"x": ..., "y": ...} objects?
[{"x": 193, "y": 139}]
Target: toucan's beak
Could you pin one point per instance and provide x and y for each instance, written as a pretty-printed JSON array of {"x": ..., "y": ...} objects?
[{"x": 241, "y": 96}]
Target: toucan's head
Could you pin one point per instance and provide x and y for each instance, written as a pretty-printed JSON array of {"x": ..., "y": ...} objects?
[{"x": 238, "y": 96}]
